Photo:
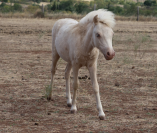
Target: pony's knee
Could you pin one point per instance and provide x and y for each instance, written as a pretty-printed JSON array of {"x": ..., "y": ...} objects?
[
  {"x": 53, "y": 70},
  {"x": 75, "y": 85},
  {"x": 67, "y": 75},
  {"x": 67, "y": 71},
  {"x": 96, "y": 88}
]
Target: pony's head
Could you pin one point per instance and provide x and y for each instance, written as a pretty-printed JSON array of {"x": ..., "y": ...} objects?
[
  {"x": 102, "y": 38},
  {"x": 103, "y": 21}
]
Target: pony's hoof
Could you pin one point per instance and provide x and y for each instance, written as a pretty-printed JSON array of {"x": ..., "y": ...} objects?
[
  {"x": 69, "y": 104},
  {"x": 101, "y": 117},
  {"x": 73, "y": 111}
]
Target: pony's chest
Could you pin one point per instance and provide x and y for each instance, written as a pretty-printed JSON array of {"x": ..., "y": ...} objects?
[{"x": 83, "y": 60}]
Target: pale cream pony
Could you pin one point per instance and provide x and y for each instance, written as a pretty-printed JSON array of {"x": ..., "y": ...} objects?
[{"x": 78, "y": 43}]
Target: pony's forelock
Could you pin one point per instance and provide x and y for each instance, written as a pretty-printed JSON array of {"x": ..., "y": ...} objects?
[{"x": 104, "y": 16}]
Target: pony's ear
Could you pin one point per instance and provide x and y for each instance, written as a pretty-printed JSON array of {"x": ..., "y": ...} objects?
[{"x": 95, "y": 19}]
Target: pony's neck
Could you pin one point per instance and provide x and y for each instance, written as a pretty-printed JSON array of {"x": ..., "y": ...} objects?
[{"x": 87, "y": 41}]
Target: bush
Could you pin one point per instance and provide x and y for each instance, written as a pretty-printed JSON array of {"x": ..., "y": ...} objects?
[
  {"x": 147, "y": 3},
  {"x": 32, "y": 8},
  {"x": 5, "y": 8},
  {"x": 54, "y": 6},
  {"x": 2, "y": 4},
  {"x": 48, "y": 7},
  {"x": 67, "y": 5},
  {"x": 130, "y": 9},
  {"x": 4, "y": 0},
  {"x": 121, "y": 2},
  {"x": 81, "y": 7},
  {"x": 38, "y": 1},
  {"x": 39, "y": 14},
  {"x": 17, "y": 7},
  {"x": 101, "y": 4},
  {"x": 117, "y": 10}
]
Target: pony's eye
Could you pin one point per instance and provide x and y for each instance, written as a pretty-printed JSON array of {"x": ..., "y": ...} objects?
[{"x": 97, "y": 35}]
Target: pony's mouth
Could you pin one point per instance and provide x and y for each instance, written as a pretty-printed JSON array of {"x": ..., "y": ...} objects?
[{"x": 108, "y": 57}]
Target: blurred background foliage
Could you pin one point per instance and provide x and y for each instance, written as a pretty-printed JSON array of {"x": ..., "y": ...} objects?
[{"x": 119, "y": 7}]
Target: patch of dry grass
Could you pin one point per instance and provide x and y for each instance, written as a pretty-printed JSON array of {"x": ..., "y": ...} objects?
[
  {"x": 25, "y": 71},
  {"x": 134, "y": 18},
  {"x": 16, "y": 15}
]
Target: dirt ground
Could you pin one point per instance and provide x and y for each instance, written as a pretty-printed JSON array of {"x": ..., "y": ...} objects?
[{"x": 128, "y": 83}]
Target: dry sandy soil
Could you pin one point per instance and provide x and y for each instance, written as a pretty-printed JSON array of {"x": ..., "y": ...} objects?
[{"x": 128, "y": 83}]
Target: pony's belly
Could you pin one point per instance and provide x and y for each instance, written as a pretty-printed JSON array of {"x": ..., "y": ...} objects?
[
  {"x": 63, "y": 51},
  {"x": 65, "y": 58}
]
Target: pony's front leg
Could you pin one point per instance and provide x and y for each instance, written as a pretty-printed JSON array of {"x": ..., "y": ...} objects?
[
  {"x": 75, "y": 87},
  {"x": 67, "y": 77},
  {"x": 93, "y": 75}
]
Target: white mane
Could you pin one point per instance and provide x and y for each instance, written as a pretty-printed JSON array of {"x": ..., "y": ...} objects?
[{"x": 104, "y": 16}]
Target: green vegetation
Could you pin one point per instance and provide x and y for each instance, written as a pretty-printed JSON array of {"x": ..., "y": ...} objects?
[
  {"x": 32, "y": 8},
  {"x": 48, "y": 91},
  {"x": 17, "y": 7},
  {"x": 4, "y": 8},
  {"x": 119, "y": 7}
]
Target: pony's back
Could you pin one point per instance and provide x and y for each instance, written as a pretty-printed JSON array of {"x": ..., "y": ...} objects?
[{"x": 58, "y": 25}]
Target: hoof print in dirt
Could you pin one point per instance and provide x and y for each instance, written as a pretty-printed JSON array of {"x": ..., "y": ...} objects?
[
  {"x": 146, "y": 109},
  {"x": 79, "y": 77},
  {"x": 84, "y": 77},
  {"x": 36, "y": 124},
  {"x": 22, "y": 78},
  {"x": 22, "y": 114},
  {"x": 127, "y": 113},
  {"x": 48, "y": 113},
  {"x": 154, "y": 108},
  {"x": 117, "y": 84},
  {"x": 133, "y": 67}
]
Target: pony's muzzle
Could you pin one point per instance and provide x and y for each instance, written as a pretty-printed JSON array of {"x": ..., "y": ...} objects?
[{"x": 109, "y": 55}]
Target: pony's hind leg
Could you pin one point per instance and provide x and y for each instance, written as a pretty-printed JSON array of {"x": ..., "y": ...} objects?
[
  {"x": 55, "y": 58},
  {"x": 67, "y": 77}
]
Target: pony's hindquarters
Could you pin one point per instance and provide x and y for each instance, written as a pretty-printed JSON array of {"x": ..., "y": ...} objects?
[
  {"x": 65, "y": 39},
  {"x": 58, "y": 47}
]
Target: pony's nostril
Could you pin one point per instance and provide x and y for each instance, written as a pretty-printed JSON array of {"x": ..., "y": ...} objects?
[{"x": 108, "y": 53}]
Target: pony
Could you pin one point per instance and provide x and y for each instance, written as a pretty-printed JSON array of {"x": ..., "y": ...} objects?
[{"x": 78, "y": 43}]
